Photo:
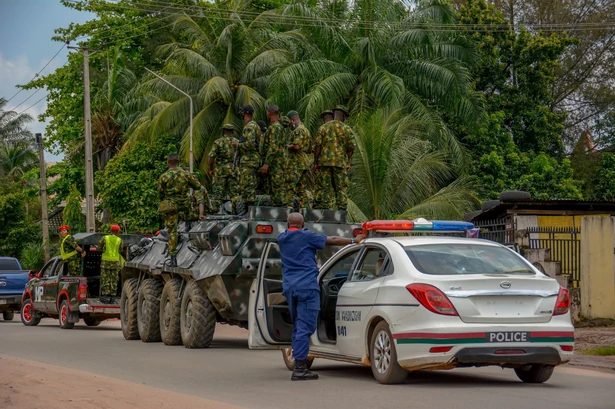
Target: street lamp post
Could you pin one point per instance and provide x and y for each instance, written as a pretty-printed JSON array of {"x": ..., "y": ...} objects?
[{"x": 191, "y": 111}]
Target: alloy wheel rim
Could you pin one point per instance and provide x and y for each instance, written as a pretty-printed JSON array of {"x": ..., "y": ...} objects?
[
  {"x": 64, "y": 313},
  {"x": 382, "y": 352},
  {"x": 27, "y": 312}
]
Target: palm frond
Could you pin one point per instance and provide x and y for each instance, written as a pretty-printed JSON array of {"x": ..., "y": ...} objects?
[
  {"x": 187, "y": 62},
  {"x": 216, "y": 89}
]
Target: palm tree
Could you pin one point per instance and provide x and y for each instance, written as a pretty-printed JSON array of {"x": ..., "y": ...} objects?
[
  {"x": 13, "y": 124},
  {"x": 398, "y": 175},
  {"x": 16, "y": 158}
]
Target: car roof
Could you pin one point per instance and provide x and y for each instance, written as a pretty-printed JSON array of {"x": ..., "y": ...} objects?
[{"x": 419, "y": 240}]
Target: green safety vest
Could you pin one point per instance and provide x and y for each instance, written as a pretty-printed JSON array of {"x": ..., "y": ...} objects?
[
  {"x": 65, "y": 255},
  {"x": 112, "y": 248}
]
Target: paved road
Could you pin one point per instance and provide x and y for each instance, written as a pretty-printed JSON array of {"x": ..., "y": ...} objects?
[{"x": 229, "y": 372}]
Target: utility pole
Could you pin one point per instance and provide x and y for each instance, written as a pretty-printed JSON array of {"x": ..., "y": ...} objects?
[
  {"x": 41, "y": 160},
  {"x": 90, "y": 221}
]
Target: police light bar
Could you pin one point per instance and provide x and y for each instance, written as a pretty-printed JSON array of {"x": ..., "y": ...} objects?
[{"x": 418, "y": 225}]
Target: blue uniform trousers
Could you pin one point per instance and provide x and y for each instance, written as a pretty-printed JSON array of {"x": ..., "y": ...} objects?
[{"x": 304, "y": 306}]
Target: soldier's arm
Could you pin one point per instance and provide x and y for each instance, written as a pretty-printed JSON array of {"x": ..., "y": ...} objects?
[
  {"x": 193, "y": 182},
  {"x": 297, "y": 141},
  {"x": 270, "y": 137},
  {"x": 247, "y": 140},
  {"x": 212, "y": 161},
  {"x": 161, "y": 187},
  {"x": 351, "y": 144},
  {"x": 318, "y": 146},
  {"x": 73, "y": 244}
]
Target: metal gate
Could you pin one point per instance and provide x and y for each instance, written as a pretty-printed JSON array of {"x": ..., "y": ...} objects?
[
  {"x": 500, "y": 230},
  {"x": 565, "y": 246}
]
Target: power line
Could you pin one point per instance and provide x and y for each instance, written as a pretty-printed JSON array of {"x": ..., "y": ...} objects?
[{"x": 45, "y": 96}]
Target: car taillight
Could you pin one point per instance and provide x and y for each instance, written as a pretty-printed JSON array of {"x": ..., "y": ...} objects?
[
  {"x": 562, "y": 305},
  {"x": 82, "y": 292},
  {"x": 432, "y": 298}
]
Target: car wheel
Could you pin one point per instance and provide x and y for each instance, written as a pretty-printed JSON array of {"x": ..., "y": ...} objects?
[
  {"x": 8, "y": 315},
  {"x": 128, "y": 309},
  {"x": 63, "y": 317},
  {"x": 198, "y": 317},
  {"x": 536, "y": 373},
  {"x": 148, "y": 310},
  {"x": 91, "y": 322},
  {"x": 28, "y": 316},
  {"x": 383, "y": 356},
  {"x": 170, "y": 312},
  {"x": 289, "y": 359}
]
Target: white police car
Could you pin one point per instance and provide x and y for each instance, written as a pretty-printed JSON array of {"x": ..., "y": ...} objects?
[{"x": 404, "y": 303}]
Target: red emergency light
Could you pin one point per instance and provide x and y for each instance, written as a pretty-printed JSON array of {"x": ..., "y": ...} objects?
[{"x": 388, "y": 225}]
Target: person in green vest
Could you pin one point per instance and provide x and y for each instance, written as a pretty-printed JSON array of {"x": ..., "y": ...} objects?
[
  {"x": 111, "y": 264},
  {"x": 69, "y": 250}
]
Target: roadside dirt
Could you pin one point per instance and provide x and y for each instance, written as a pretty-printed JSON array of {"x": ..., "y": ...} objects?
[
  {"x": 593, "y": 337},
  {"x": 31, "y": 385}
]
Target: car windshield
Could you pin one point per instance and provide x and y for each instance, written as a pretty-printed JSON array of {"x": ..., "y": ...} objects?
[{"x": 458, "y": 258}]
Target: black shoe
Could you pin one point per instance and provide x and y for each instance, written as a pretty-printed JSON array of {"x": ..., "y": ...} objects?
[
  {"x": 173, "y": 261},
  {"x": 301, "y": 373},
  {"x": 105, "y": 299}
]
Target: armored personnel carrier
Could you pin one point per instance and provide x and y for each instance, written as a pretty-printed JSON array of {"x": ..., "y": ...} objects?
[{"x": 217, "y": 262}]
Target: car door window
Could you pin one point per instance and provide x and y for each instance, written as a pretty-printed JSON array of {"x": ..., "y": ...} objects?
[
  {"x": 341, "y": 267},
  {"x": 373, "y": 266},
  {"x": 47, "y": 270}
]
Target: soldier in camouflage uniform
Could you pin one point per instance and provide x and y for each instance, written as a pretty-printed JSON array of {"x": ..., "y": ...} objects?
[
  {"x": 70, "y": 251},
  {"x": 275, "y": 160},
  {"x": 110, "y": 265},
  {"x": 201, "y": 197},
  {"x": 334, "y": 145},
  {"x": 250, "y": 159},
  {"x": 222, "y": 168},
  {"x": 173, "y": 187},
  {"x": 298, "y": 162}
]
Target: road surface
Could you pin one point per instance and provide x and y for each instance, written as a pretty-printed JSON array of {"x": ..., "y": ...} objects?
[{"x": 230, "y": 373}]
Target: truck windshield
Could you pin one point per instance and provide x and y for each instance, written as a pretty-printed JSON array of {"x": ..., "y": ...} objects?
[
  {"x": 7, "y": 265},
  {"x": 457, "y": 258}
]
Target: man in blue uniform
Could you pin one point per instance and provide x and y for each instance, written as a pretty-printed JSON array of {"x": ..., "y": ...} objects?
[{"x": 300, "y": 284}]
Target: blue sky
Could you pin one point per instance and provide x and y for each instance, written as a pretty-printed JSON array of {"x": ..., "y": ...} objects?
[{"x": 26, "y": 28}]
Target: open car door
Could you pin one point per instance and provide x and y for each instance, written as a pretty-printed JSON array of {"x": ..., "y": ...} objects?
[{"x": 269, "y": 323}]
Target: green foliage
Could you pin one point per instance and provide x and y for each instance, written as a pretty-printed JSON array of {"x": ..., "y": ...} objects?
[
  {"x": 17, "y": 227},
  {"x": 128, "y": 186},
  {"x": 33, "y": 256},
  {"x": 605, "y": 178},
  {"x": 72, "y": 214}
]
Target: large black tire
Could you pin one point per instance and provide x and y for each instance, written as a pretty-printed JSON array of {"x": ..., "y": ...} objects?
[
  {"x": 128, "y": 309},
  {"x": 170, "y": 312},
  {"x": 289, "y": 359},
  {"x": 536, "y": 373},
  {"x": 28, "y": 317},
  {"x": 198, "y": 317},
  {"x": 63, "y": 317},
  {"x": 148, "y": 310},
  {"x": 91, "y": 322},
  {"x": 8, "y": 315},
  {"x": 489, "y": 204},
  {"x": 513, "y": 195},
  {"x": 383, "y": 356}
]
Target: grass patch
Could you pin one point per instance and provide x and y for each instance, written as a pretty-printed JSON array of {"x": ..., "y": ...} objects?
[{"x": 601, "y": 351}]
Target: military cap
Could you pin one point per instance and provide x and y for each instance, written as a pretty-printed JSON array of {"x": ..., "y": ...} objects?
[
  {"x": 247, "y": 109},
  {"x": 326, "y": 112},
  {"x": 290, "y": 114},
  {"x": 228, "y": 127},
  {"x": 343, "y": 109}
]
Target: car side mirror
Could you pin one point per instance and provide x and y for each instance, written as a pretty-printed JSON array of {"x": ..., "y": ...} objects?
[
  {"x": 39, "y": 274},
  {"x": 32, "y": 274}
]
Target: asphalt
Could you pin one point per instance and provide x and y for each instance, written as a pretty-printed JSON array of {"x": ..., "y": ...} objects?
[{"x": 231, "y": 373}]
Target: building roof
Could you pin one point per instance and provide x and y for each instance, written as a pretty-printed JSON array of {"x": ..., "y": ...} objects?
[{"x": 557, "y": 207}]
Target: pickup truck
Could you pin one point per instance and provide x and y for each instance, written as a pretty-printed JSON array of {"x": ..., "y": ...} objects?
[
  {"x": 55, "y": 294},
  {"x": 13, "y": 281}
]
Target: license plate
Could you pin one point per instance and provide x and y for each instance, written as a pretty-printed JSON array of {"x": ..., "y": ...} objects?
[
  {"x": 4, "y": 301},
  {"x": 512, "y": 336}
]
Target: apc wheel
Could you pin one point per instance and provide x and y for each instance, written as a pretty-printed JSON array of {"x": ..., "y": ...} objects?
[
  {"x": 198, "y": 318},
  {"x": 170, "y": 312},
  {"x": 289, "y": 359},
  {"x": 536, "y": 373},
  {"x": 91, "y": 322},
  {"x": 128, "y": 309},
  {"x": 148, "y": 310},
  {"x": 8, "y": 315},
  {"x": 28, "y": 317},
  {"x": 383, "y": 356},
  {"x": 63, "y": 317}
]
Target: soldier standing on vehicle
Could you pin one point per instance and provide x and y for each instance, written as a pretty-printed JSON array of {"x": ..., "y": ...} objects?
[
  {"x": 173, "y": 187},
  {"x": 298, "y": 162},
  {"x": 275, "y": 159},
  {"x": 110, "y": 265},
  {"x": 250, "y": 159},
  {"x": 300, "y": 284},
  {"x": 69, "y": 250},
  {"x": 334, "y": 145},
  {"x": 222, "y": 169}
]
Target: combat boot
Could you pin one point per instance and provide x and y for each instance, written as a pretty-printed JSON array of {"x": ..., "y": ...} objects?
[
  {"x": 173, "y": 261},
  {"x": 302, "y": 373}
]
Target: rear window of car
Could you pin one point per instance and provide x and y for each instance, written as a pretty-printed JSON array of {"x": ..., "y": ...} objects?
[
  {"x": 6, "y": 265},
  {"x": 455, "y": 259}
]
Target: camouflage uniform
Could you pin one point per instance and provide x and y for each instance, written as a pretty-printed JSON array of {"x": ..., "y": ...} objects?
[
  {"x": 174, "y": 185},
  {"x": 276, "y": 157},
  {"x": 109, "y": 271},
  {"x": 299, "y": 164},
  {"x": 74, "y": 263},
  {"x": 250, "y": 146},
  {"x": 224, "y": 186},
  {"x": 335, "y": 139},
  {"x": 200, "y": 197}
]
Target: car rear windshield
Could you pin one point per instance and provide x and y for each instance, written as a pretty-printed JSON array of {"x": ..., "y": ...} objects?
[
  {"x": 453, "y": 259},
  {"x": 7, "y": 265}
]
